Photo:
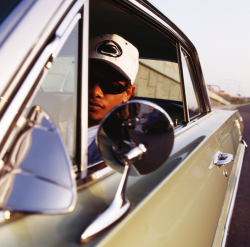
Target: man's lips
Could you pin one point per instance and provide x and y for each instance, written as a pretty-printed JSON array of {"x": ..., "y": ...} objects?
[{"x": 93, "y": 105}]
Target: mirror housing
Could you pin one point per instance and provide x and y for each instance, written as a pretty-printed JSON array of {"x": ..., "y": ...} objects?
[
  {"x": 37, "y": 176},
  {"x": 135, "y": 138}
]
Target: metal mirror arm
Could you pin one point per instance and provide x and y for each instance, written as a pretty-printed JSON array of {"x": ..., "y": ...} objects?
[{"x": 120, "y": 205}]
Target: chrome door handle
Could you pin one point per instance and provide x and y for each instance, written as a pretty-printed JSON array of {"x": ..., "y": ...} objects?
[
  {"x": 221, "y": 159},
  {"x": 244, "y": 143}
]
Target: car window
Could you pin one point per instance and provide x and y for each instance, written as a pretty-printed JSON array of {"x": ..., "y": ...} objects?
[
  {"x": 191, "y": 96},
  {"x": 159, "y": 82},
  {"x": 58, "y": 90},
  {"x": 158, "y": 77}
]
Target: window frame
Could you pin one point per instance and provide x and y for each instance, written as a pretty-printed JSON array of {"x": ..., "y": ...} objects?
[
  {"x": 152, "y": 19},
  {"x": 193, "y": 78},
  {"x": 33, "y": 80}
]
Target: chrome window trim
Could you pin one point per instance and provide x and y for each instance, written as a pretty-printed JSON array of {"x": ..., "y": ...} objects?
[
  {"x": 157, "y": 18},
  {"x": 26, "y": 86},
  {"x": 183, "y": 88},
  {"x": 39, "y": 66},
  {"x": 194, "y": 80},
  {"x": 63, "y": 37},
  {"x": 70, "y": 15},
  {"x": 84, "y": 92},
  {"x": 192, "y": 123}
]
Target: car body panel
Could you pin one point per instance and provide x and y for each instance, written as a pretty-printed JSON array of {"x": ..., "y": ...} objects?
[
  {"x": 157, "y": 210},
  {"x": 186, "y": 210}
]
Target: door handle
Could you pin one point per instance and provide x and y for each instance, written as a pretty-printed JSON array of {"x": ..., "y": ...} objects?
[{"x": 221, "y": 159}]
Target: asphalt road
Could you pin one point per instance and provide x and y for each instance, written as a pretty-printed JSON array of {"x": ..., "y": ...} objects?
[{"x": 239, "y": 231}]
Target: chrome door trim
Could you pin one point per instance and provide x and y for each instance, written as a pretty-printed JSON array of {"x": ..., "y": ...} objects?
[
  {"x": 231, "y": 207},
  {"x": 227, "y": 209}
]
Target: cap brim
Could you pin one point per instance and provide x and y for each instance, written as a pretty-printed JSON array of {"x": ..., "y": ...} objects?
[{"x": 107, "y": 69}]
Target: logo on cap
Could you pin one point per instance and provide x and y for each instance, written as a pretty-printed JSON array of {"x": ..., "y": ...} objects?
[{"x": 109, "y": 48}]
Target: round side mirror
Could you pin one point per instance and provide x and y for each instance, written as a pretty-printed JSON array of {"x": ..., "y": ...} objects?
[
  {"x": 139, "y": 133},
  {"x": 134, "y": 138}
]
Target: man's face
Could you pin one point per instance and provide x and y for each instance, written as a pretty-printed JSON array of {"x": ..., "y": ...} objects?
[{"x": 101, "y": 101}]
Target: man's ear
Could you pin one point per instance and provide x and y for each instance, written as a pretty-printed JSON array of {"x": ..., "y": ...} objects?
[{"x": 128, "y": 93}]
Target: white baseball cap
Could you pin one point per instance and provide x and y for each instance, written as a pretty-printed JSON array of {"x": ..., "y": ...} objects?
[{"x": 116, "y": 52}]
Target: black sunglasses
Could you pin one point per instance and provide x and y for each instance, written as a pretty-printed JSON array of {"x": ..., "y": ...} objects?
[{"x": 108, "y": 86}]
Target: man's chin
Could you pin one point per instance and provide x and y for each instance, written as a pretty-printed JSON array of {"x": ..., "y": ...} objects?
[{"x": 94, "y": 119}]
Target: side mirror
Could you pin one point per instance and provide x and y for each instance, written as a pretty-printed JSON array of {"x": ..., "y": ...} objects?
[
  {"x": 135, "y": 138},
  {"x": 37, "y": 176}
]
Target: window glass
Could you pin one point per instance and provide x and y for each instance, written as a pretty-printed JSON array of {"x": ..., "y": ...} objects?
[
  {"x": 191, "y": 96},
  {"x": 158, "y": 79},
  {"x": 57, "y": 94}
]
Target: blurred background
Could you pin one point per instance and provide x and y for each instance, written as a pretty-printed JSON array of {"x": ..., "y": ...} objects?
[{"x": 220, "y": 31}]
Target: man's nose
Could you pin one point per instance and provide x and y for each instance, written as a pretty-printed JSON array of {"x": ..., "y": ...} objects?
[{"x": 95, "y": 90}]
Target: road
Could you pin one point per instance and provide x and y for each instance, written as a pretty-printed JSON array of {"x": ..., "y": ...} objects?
[{"x": 239, "y": 231}]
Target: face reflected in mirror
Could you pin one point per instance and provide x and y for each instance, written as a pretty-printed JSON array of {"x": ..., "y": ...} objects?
[{"x": 107, "y": 89}]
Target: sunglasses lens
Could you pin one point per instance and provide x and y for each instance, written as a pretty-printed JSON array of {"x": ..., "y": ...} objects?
[
  {"x": 113, "y": 87},
  {"x": 107, "y": 86}
]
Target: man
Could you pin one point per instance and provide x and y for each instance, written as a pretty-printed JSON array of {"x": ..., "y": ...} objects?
[{"x": 113, "y": 66}]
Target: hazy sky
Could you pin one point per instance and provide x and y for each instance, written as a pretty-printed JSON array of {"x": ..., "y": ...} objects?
[{"x": 220, "y": 31}]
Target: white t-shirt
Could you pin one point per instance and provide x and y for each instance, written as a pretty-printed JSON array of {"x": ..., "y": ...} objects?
[{"x": 92, "y": 131}]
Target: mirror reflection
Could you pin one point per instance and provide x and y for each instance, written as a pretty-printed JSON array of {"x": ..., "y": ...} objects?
[{"x": 138, "y": 126}]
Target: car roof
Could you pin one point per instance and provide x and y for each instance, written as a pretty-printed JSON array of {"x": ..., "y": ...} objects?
[{"x": 6, "y": 8}]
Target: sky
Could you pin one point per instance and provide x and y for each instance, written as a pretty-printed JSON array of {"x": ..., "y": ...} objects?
[{"x": 220, "y": 31}]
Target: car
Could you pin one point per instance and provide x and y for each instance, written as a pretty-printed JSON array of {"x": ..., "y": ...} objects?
[{"x": 172, "y": 181}]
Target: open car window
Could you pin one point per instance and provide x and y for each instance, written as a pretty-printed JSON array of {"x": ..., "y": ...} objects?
[{"x": 159, "y": 79}]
